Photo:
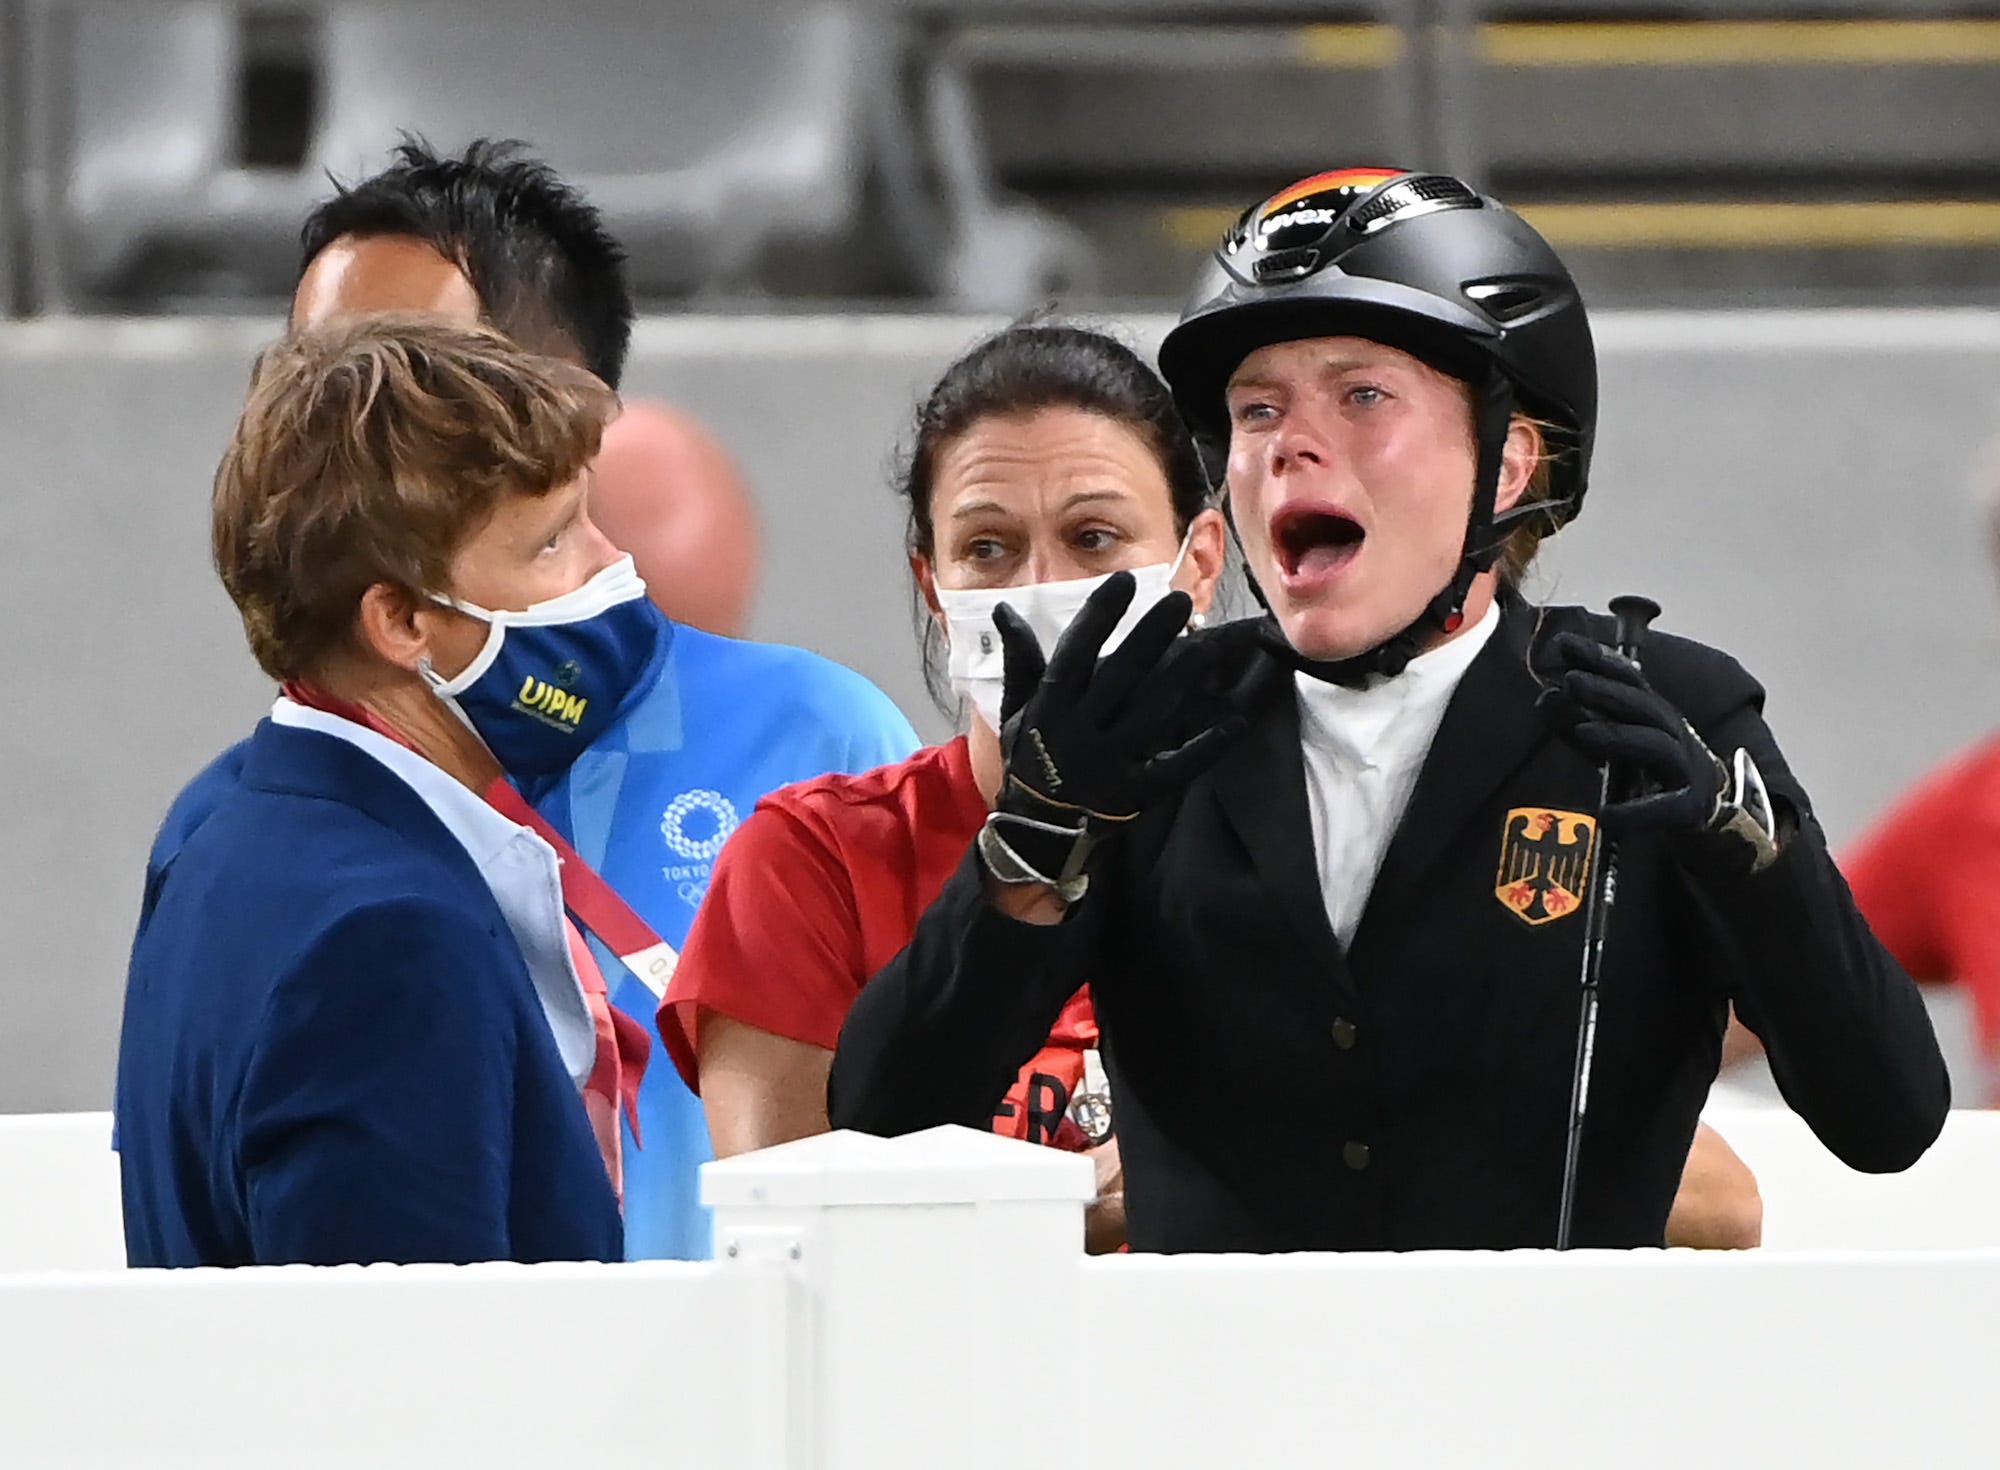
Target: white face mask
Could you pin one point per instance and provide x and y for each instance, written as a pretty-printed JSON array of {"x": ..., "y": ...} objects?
[
  {"x": 610, "y": 587},
  {"x": 978, "y": 664}
]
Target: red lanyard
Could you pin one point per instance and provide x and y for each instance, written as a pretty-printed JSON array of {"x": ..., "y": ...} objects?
[{"x": 591, "y": 902}]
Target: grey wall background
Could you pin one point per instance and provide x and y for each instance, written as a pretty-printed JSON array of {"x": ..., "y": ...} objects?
[{"x": 1797, "y": 488}]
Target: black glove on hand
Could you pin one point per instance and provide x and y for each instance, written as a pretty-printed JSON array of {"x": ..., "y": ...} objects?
[
  {"x": 1666, "y": 780},
  {"x": 1089, "y": 743}
]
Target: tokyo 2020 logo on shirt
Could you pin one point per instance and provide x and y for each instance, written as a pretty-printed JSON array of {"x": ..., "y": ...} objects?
[{"x": 695, "y": 825}]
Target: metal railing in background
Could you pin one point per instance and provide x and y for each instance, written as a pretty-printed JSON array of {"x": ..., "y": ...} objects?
[
  {"x": 43, "y": 78},
  {"x": 76, "y": 234},
  {"x": 1474, "y": 43},
  {"x": 10, "y": 62},
  {"x": 958, "y": 237},
  {"x": 1550, "y": 96},
  {"x": 16, "y": 216},
  {"x": 36, "y": 43}
]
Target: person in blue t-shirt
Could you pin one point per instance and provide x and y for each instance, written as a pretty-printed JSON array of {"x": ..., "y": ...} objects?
[
  {"x": 649, "y": 806},
  {"x": 712, "y": 723}
]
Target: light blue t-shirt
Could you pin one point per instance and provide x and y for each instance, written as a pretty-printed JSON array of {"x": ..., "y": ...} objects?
[{"x": 649, "y": 806}]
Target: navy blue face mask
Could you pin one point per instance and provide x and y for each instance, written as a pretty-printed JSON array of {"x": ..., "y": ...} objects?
[{"x": 550, "y": 678}]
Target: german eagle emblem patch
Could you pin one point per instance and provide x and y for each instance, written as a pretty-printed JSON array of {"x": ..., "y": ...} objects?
[{"x": 1544, "y": 862}]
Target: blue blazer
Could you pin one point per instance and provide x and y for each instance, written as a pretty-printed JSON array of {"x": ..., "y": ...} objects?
[{"x": 332, "y": 1050}]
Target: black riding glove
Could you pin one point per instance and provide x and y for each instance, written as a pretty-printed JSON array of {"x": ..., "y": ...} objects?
[
  {"x": 1666, "y": 781},
  {"x": 1089, "y": 743}
]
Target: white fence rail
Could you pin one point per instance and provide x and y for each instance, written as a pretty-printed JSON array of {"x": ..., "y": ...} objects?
[
  {"x": 924, "y": 1302},
  {"x": 1642, "y": 1360},
  {"x": 389, "y": 1367}
]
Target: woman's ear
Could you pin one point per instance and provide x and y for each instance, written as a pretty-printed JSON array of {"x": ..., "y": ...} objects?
[
  {"x": 920, "y": 568},
  {"x": 1519, "y": 460},
  {"x": 390, "y": 625},
  {"x": 1207, "y": 550}
]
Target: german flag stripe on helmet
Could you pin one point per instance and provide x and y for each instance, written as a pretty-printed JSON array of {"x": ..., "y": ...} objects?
[{"x": 1363, "y": 179}]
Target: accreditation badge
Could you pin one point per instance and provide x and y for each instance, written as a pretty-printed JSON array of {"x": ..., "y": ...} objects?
[{"x": 1090, "y": 1109}]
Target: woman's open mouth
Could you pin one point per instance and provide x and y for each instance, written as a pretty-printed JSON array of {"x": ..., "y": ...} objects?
[{"x": 1314, "y": 541}]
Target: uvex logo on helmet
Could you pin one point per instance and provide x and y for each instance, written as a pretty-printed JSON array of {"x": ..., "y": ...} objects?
[{"x": 1292, "y": 234}]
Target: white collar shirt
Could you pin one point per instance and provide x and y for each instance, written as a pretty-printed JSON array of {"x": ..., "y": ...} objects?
[
  {"x": 1363, "y": 749},
  {"x": 520, "y": 869}
]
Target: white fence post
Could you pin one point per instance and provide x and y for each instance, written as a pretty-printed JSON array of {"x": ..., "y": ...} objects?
[
  {"x": 934, "y": 1294},
  {"x": 59, "y": 1194}
]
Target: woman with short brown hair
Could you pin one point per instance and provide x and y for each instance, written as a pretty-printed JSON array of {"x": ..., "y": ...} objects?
[{"x": 355, "y": 1027}]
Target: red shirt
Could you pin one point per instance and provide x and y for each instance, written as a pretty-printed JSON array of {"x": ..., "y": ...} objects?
[
  {"x": 820, "y": 888},
  {"x": 1926, "y": 876}
]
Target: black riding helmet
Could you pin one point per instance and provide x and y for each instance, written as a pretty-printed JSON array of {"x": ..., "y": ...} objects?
[{"x": 1427, "y": 264}]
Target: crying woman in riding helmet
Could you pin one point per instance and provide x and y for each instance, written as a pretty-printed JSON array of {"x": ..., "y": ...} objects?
[{"x": 1330, "y": 872}]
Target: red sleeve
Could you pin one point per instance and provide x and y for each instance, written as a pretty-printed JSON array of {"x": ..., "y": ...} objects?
[
  {"x": 776, "y": 943},
  {"x": 1894, "y": 871},
  {"x": 1927, "y": 879},
  {"x": 1970, "y": 922}
]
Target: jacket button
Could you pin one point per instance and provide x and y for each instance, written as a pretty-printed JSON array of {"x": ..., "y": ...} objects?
[
  {"x": 1355, "y": 1155},
  {"x": 1344, "y": 1034}
]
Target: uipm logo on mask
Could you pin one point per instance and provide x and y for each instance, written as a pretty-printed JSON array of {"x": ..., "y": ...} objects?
[
  {"x": 546, "y": 701},
  {"x": 550, "y": 678},
  {"x": 550, "y": 699}
]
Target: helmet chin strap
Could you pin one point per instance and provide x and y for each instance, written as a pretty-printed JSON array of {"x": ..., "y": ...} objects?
[{"x": 1485, "y": 533}]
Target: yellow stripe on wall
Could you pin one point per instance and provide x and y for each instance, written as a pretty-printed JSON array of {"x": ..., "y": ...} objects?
[
  {"x": 1742, "y": 225},
  {"x": 1197, "y": 226},
  {"x": 1695, "y": 225},
  {"x": 1531, "y": 45},
  {"x": 1348, "y": 46},
  {"x": 1741, "y": 43}
]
